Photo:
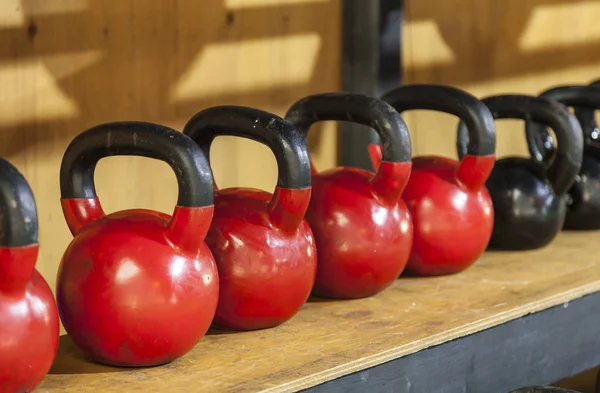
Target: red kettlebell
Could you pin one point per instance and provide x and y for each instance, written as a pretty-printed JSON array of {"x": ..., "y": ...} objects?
[
  {"x": 136, "y": 287},
  {"x": 264, "y": 248},
  {"x": 29, "y": 325},
  {"x": 448, "y": 201},
  {"x": 362, "y": 227}
]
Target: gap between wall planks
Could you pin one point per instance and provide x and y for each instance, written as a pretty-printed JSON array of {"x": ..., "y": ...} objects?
[{"x": 329, "y": 339}]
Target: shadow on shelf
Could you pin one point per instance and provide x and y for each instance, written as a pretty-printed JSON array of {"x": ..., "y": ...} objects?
[
  {"x": 317, "y": 299},
  {"x": 70, "y": 360},
  {"x": 222, "y": 332}
]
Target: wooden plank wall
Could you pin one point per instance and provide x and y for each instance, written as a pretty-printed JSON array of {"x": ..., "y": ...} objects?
[
  {"x": 492, "y": 47},
  {"x": 70, "y": 64}
]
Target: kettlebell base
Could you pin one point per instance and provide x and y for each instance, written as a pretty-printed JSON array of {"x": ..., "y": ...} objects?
[
  {"x": 521, "y": 241},
  {"x": 518, "y": 245},
  {"x": 579, "y": 225},
  {"x": 435, "y": 271},
  {"x": 108, "y": 363},
  {"x": 245, "y": 327},
  {"x": 581, "y": 229},
  {"x": 325, "y": 294}
]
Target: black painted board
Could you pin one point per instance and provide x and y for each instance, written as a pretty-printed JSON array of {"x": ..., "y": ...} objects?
[{"x": 537, "y": 349}]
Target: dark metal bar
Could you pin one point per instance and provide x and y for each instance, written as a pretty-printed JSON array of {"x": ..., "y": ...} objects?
[
  {"x": 390, "y": 45},
  {"x": 370, "y": 65}
]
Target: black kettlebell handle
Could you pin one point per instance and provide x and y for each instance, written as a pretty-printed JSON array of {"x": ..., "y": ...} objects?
[
  {"x": 585, "y": 99},
  {"x": 267, "y": 128},
  {"x": 18, "y": 218},
  {"x": 563, "y": 169},
  {"x": 355, "y": 108},
  {"x": 291, "y": 197},
  {"x": 143, "y": 139},
  {"x": 587, "y": 119},
  {"x": 477, "y": 117}
]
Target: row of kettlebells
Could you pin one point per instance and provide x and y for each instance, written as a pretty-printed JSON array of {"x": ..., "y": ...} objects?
[{"x": 141, "y": 288}]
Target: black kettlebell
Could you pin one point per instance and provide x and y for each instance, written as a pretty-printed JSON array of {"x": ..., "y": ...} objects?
[
  {"x": 529, "y": 198},
  {"x": 583, "y": 204}
]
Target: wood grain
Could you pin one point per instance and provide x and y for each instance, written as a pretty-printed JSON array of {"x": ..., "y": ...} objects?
[
  {"x": 490, "y": 47},
  {"x": 68, "y": 65},
  {"x": 329, "y": 339}
]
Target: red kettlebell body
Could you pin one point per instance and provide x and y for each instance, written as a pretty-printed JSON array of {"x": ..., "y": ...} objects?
[
  {"x": 362, "y": 228},
  {"x": 130, "y": 274},
  {"x": 372, "y": 239},
  {"x": 446, "y": 244},
  {"x": 451, "y": 208},
  {"x": 266, "y": 275},
  {"x": 137, "y": 287},
  {"x": 29, "y": 326},
  {"x": 263, "y": 247}
]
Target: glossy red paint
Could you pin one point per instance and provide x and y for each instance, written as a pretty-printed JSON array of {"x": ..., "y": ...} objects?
[
  {"x": 265, "y": 254},
  {"x": 451, "y": 210},
  {"x": 81, "y": 211},
  {"x": 363, "y": 229},
  {"x": 29, "y": 326},
  {"x": 136, "y": 287}
]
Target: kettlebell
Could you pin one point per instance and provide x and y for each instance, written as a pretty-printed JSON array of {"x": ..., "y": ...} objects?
[
  {"x": 541, "y": 143},
  {"x": 264, "y": 248},
  {"x": 583, "y": 202},
  {"x": 29, "y": 326},
  {"x": 136, "y": 287},
  {"x": 362, "y": 227},
  {"x": 449, "y": 204},
  {"x": 529, "y": 199}
]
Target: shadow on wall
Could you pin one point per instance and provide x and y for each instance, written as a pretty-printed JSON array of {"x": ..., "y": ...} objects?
[
  {"x": 69, "y": 65},
  {"x": 494, "y": 47},
  {"x": 488, "y": 39},
  {"x": 77, "y": 63}
]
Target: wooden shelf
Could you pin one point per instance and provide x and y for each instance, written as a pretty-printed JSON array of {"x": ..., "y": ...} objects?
[{"x": 331, "y": 339}]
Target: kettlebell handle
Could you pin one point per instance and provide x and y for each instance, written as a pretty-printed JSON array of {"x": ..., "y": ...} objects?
[
  {"x": 563, "y": 169},
  {"x": 18, "y": 221},
  {"x": 585, "y": 100},
  {"x": 394, "y": 171},
  {"x": 292, "y": 194},
  {"x": 18, "y": 229},
  {"x": 193, "y": 213},
  {"x": 477, "y": 165}
]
